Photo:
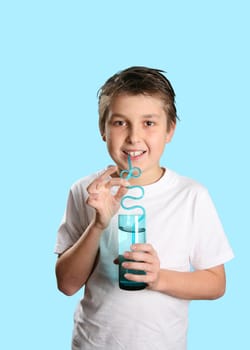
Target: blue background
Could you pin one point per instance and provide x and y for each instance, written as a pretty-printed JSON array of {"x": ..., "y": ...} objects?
[{"x": 54, "y": 57}]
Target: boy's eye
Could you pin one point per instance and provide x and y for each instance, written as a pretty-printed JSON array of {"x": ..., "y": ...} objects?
[
  {"x": 149, "y": 123},
  {"x": 119, "y": 122}
]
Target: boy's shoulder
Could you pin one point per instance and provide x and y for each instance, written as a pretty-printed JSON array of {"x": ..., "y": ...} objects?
[{"x": 185, "y": 183}]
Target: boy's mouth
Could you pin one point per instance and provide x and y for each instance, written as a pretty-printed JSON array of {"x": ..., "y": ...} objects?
[{"x": 134, "y": 154}]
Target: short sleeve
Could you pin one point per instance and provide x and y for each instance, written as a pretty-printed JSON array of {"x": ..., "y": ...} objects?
[
  {"x": 210, "y": 246},
  {"x": 76, "y": 218}
]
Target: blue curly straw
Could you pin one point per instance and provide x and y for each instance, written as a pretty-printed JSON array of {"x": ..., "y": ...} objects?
[{"x": 133, "y": 172}]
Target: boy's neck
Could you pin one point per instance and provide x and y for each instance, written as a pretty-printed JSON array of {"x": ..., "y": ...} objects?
[{"x": 147, "y": 179}]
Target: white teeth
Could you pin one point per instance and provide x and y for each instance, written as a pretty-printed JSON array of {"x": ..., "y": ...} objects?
[{"x": 135, "y": 153}]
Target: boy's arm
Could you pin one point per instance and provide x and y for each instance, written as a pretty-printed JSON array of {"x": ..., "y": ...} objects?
[
  {"x": 75, "y": 265},
  {"x": 200, "y": 284}
]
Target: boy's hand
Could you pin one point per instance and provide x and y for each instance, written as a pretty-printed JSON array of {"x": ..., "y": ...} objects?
[
  {"x": 101, "y": 199},
  {"x": 145, "y": 259}
]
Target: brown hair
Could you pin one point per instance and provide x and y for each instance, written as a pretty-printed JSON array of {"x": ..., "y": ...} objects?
[{"x": 135, "y": 81}]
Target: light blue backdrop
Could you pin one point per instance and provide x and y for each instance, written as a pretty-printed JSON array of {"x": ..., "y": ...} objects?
[{"x": 54, "y": 57}]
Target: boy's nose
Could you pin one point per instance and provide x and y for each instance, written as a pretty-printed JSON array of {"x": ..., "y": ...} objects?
[{"x": 134, "y": 135}]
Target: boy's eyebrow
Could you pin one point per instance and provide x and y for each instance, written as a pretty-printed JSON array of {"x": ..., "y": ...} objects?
[
  {"x": 114, "y": 115},
  {"x": 117, "y": 115}
]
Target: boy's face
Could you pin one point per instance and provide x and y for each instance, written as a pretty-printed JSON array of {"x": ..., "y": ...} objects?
[{"x": 136, "y": 125}]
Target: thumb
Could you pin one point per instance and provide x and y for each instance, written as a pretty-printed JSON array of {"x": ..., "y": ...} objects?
[{"x": 120, "y": 193}]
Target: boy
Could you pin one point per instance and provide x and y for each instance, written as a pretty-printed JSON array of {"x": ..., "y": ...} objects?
[{"x": 186, "y": 247}]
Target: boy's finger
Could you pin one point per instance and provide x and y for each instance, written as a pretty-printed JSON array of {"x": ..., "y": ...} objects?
[
  {"x": 100, "y": 180},
  {"x": 117, "y": 182},
  {"x": 108, "y": 172},
  {"x": 120, "y": 193},
  {"x": 145, "y": 247}
]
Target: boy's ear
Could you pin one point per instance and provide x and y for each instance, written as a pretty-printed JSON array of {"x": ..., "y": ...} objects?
[
  {"x": 104, "y": 137},
  {"x": 170, "y": 133}
]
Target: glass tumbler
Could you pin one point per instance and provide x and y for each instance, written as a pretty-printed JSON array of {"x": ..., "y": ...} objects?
[{"x": 132, "y": 229}]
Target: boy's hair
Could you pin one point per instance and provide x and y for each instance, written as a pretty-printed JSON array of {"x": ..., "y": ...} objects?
[{"x": 135, "y": 81}]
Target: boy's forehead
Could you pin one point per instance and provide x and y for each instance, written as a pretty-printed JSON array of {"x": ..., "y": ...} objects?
[{"x": 134, "y": 102}]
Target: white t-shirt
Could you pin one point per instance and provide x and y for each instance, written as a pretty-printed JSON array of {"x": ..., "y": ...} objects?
[{"x": 184, "y": 229}]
